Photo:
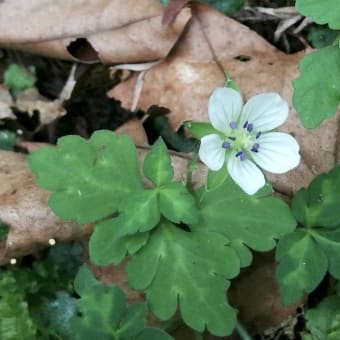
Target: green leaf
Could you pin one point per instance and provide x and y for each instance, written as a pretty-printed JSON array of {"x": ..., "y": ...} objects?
[
  {"x": 89, "y": 178},
  {"x": 108, "y": 246},
  {"x": 319, "y": 204},
  {"x": 3, "y": 231},
  {"x": 317, "y": 208},
  {"x": 323, "y": 322},
  {"x": 103, "y": 312},
  {"x": 15, "y": 321},
  {"x": 322, "y": 12},
  {"x": 157, "y": 164},
  {"x": 140, "y": 212},
  {"x": 18, "y": 79},
  {"x": 7, "y": 140},
  {"x": 321, "y": 36},
  {"x": 249, "y": 221},
  {"x": 302, "y": 266},
  {"x": 229, "y": 7},
  {"x": 317, "y": 90},
  {"x": 177, "y": 204},
  {"x": 215, "y": 178},
  {"x": 188, "y": 270},
  {"x": 199, "y": 129}
]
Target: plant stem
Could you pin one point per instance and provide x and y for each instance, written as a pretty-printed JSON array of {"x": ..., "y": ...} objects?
[{"x": 242, "y": 332}]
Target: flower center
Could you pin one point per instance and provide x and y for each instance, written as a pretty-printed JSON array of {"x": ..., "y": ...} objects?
[{"x": 242, "y": 140}]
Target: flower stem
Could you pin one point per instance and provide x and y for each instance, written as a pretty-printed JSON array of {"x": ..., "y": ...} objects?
[{"x": 242, "y": 332}]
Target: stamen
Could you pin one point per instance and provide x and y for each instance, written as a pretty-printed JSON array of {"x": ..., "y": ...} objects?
[
  {"x": 255, "y": 147},
  {"x": 258, "y": 134},
  {"x": 242, "y": 155},
  {"x": 233, "y": 125},
  {"x": 245, "y": 124},
  {"x": 225, "y": 145},
  {"x": 232, "y": 138},
  {"x": 250, "y": 127}
]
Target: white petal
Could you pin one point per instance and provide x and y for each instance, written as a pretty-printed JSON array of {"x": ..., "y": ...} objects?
[
  {"x": 211, "y": 152},
  {"x": 246, "y": 174},
  {"x": 224, "y": 107},
  {"x": 265, "y": 111},
  {"x": 278, "y": 152}
]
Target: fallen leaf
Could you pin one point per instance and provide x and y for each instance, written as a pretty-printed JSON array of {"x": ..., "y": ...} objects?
[
  {"x": 110, "y": 31},
  {"x": 5, "y": 104},
  {"x": 31, "y": 101},
  {"x": 211, "y": 45},
  {"x": 134, "y": 128},
  {"x": 172, "y": 9}
]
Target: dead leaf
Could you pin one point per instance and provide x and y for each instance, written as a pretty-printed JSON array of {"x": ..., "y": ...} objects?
[
  {"x": 31, "y": 101},
  {"x": 134, "y": 128},
  {"x": 212, "y": 44},
  {"x": 173, "y": 8},
  {"x": 110, "y": 31},
  {"x": 255, "y": 293},
  {"x": 5, "y": 104}
]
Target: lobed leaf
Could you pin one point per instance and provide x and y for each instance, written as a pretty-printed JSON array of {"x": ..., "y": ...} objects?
[
  {"x": 249, "y": 221},
  {"x": 177, "y": 204},
  {"x": 88, "y": 178},
  {"x": 189, "y": 270},
  {"x": 157, "y": 164},
  {"x": 302, "y": 266},
  {"x": 317, "y": 90},
  {"x": 108, "y": 245},
  {"x": 319, "y": 204},
  {"x": 307, "y": 254},
  {"x": 322, "y": 12},
  {"x": 323, "y": 321},
  {"x": 103, "y": 312}
]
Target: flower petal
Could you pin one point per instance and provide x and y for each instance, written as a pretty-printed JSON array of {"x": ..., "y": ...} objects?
[
  {"x": 225, "y": 105},
  {"x": 278, "y": 152},
  {"x": 211, "y": 152},
  {"x": 246, "y": 174},
  {"x": 265, "y": 111}
]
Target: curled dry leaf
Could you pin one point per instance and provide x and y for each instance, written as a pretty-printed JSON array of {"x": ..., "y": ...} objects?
[
  {"x": 109, "y": 31},
  {"x": 212, "y": 44}
]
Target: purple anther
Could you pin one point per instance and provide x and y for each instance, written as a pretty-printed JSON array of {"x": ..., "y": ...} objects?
[
  {"x": 258, "y": 135},
  {"x": 242, "y": 155},
  {"x": 250, "y": 127},
  {"x": 233, "y": 125},
  {"x": 232, "y": 138},
  {"x": 225, "y": 145},
  {"x": 245, "y": 125},
  {"x": 255, "y": 147}
]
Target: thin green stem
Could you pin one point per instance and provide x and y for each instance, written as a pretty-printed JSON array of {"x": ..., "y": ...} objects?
[{"x": 242, "y": 332}]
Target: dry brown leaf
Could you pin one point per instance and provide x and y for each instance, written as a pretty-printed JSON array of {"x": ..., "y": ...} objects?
[
  {"x": 110, "y": 31},
  {"x": 214, "y": 43},
  {"x": 31, "y": 101},
  {"x": 134, "y": 128},
  {"x": 5, "y": 104}
]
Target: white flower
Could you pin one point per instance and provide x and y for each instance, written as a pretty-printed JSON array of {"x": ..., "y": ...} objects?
[{"x": 243, "y": 138}]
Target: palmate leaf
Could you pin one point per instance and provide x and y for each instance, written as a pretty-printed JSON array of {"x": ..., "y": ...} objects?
[
  {"x": 157, "y": 164},
  {"x": 317, "y": 90},
  {"x": 188, "y": 270},
  {"x": 103, "y": 313},
  {"x": 88, "y": 178},
  {"x": 323, "y": 321},
  {"x": 248, "y": 221},
  {"x": 307, "y": 254},
  {"x": 322, "y": 12}
]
